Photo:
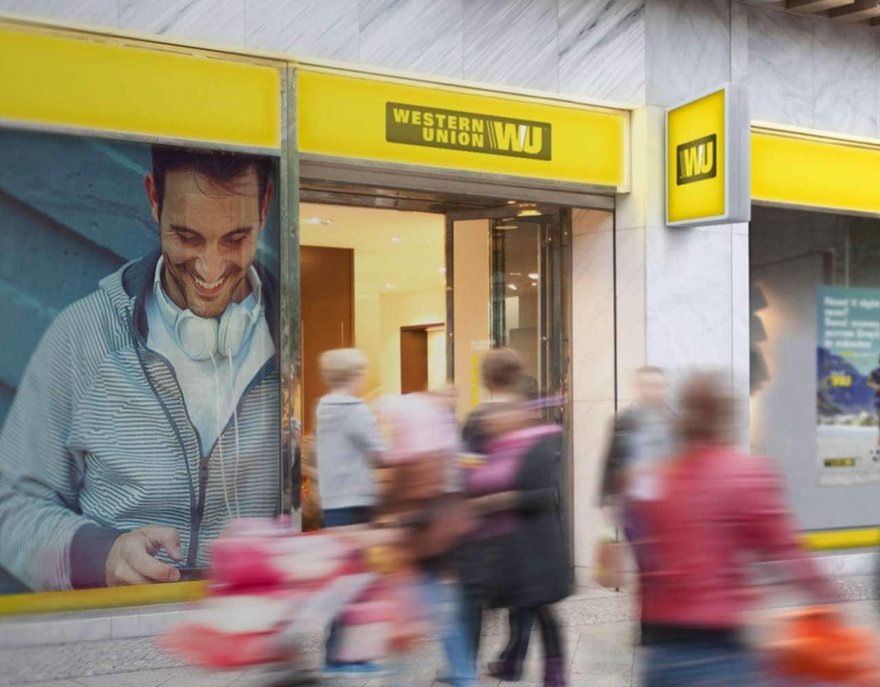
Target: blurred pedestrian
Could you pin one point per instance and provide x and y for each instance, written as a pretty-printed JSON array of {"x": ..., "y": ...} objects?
[
  {"x": 501, "y": 372},
  {"x": 347, "y": 445},
  {"x": 704, "y": 516},
  {"x": 538, "y": 559},
  {"x": 418, "y": 492},
  {"x": 642, "y": 436},
  {"x": 518, "y": 560}
]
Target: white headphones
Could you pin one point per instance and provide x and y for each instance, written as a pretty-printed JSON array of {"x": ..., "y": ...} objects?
[{"x": 201, "y": 338}]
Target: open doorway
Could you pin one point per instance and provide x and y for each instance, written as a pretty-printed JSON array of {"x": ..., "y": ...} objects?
[
  {"x": 374, "y": 279},
  {"x": 431, "y": 282},
  {"x": 422, "y": 357}
]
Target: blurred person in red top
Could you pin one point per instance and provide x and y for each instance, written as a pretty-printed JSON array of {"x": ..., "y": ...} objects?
[{"x": 703, "y": 518}]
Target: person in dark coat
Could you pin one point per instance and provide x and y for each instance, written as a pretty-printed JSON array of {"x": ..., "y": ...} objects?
[
  {"x": 519, "y": 559},
  {"x": 539, "y": 558}
]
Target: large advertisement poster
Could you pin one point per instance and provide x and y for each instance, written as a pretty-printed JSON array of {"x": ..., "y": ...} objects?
[
  {"x": 139, "y": 394},
  {"x": 848, "y": 385}
]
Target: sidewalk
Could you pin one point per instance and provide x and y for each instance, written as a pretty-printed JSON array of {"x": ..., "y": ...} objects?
[{"x": 598, "y": 626}]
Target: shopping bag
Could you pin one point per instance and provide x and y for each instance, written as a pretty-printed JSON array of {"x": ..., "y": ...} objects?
[
  {"x": 816, "y": 645},
  {"x": 609, "y": 565}
]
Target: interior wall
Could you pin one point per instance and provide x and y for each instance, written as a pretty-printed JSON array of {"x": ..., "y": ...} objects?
[
  {"x": 368, "y": 335},
  {"x": 403, "y": 310},
  {"x": 471, "y": 297},
  {"x": 437, "y": 358},
  {"x": 399, "y": 280}
]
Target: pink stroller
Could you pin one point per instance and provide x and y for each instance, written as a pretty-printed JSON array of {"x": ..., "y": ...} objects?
[{"x": 271, "y": 589}]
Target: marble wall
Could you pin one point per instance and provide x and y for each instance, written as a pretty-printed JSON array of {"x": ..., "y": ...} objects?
[
  {"x": 810, "y": 72},
  {"x": 800, "y": 70},
  {"x": 593, "y": 369}
]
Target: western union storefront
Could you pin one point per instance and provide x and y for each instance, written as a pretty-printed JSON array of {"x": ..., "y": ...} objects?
[
  {"x": 813, "y": 298},
  {"x": 813, "y": 336},
  {"x": 424, "y": 223}
]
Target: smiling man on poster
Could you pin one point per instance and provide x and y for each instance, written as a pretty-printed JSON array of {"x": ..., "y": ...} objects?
[{"x": 147, "y": 417}]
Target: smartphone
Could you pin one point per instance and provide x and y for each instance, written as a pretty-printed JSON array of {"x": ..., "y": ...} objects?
[{"x": 192, "y": 574}]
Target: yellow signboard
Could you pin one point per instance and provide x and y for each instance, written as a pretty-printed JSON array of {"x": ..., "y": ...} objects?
[
  {"x": 393, "y": 121},
  {"x": 707, "y": 160},
  {"x": 810, "y": 171},
  {"x": 57, "y": 81}
]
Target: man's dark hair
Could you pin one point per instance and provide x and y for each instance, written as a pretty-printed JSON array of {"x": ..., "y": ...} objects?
[
  {"x": 219, "y": 166},
  {"x": 707, "y": 409},
  {"x": 502, "y": 370}
]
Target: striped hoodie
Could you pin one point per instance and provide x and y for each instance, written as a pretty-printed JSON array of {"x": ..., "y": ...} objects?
[{"x": 98, "y": 442}]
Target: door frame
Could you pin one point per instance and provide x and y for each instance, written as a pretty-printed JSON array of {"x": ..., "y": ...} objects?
[{"x": 555, "y": 317}]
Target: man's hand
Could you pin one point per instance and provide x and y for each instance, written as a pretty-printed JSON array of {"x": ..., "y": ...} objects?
[{"x": 131, "y": 561}]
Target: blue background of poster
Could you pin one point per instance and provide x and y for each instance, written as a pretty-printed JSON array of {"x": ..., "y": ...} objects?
[{"x": 72, "y": 210}]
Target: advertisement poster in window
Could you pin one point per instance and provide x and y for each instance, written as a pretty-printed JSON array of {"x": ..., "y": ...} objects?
[
  {"x": 139, "y": 393},
  {"x": 848, "y": 385}
]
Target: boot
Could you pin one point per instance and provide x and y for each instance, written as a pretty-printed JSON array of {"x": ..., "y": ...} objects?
[
  {"x": 554, "y": 672},
  {"x": 506, "y": 669}
]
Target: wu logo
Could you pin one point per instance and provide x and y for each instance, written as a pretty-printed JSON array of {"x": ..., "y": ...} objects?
[
  {"x": 474, "y": 132},
  {"x": 697, "y": 160}
]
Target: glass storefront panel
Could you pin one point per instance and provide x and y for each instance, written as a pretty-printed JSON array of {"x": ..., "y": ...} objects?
[
  {"x": 516, "y": 301},
  {"x": 139, "y": 397},
  {"x": 815, "y": 354}
]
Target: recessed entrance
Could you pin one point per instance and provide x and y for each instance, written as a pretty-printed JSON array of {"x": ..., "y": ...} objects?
[{"x": 425, "y": 283}]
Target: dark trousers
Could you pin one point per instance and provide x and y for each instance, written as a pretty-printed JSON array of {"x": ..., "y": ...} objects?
[
  {"x": 341, "y": 517},
  {"x": 520, "y": 621}
]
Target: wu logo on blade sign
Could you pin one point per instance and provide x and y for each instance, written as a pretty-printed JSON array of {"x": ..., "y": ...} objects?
[
  {"x": 697, "y": 160},
  {"x": 479, "y": 133}
]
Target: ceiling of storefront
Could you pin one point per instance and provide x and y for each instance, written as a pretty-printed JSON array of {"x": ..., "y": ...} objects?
[
  {"x": 862, "y": 11},
  {"x": 394, "y": 250}
]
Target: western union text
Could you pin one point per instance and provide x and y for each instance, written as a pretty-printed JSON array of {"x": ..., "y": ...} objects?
[{"x": 480, "y": 133}]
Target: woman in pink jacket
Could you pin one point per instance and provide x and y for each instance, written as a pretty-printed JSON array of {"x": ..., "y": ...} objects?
[{"x": 696, "y": 525}]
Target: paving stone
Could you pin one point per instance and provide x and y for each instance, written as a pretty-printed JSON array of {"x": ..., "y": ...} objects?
[{"x": 599, "y": 632}]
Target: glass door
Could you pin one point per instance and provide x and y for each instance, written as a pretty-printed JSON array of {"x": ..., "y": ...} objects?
[
  {"x": 507, "y": 277},
  {"x": 527, "y": 308}
]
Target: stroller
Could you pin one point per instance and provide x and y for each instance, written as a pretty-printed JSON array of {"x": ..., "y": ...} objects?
[{"x": 272, "y": 588}]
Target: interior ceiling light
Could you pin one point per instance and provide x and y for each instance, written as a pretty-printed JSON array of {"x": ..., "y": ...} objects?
[
  {"x": 512, "y": 287},
  {"x": 534, "y": 275},
  {"x": 318, "y": 220},
  {"x": 527, "y": 210},
  {"x": 441, "y": 270},
  {"x": 505, "y": 226},
  {"x": 395, "y": 239},
  {"x": 389, "y": 285}
]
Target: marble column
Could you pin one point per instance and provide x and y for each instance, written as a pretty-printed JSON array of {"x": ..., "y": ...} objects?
[{"x": 696, "y": 279}]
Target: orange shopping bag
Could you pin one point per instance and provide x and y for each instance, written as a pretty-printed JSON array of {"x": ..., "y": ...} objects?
[{"x": 816, "y": 644}]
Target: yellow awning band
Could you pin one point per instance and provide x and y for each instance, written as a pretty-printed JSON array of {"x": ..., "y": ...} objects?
[
  {"x": 67, "y": 82},
  {"x": 816, "y": 172}
]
